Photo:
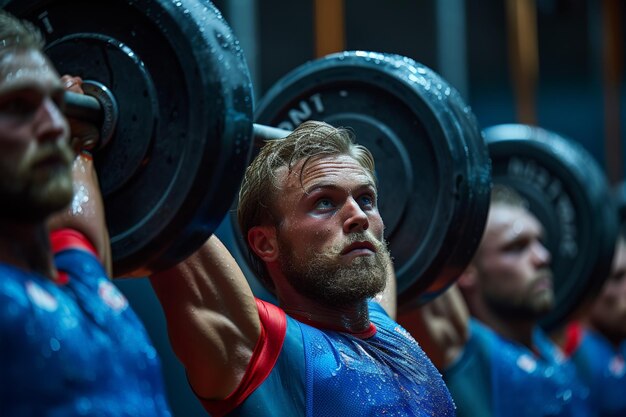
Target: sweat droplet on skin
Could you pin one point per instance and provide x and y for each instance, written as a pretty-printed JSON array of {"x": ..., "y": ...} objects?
[{"x": 81, "y": 198}]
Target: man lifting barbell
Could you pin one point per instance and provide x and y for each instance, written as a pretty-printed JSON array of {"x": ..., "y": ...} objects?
[
  {"x": 71, "y": 344},
  {"x": 308, "y": 207},
  {"x": 549, "y": 230},
  {"x": 596, "y": 341},
  {"x": 499, "y": 363}
]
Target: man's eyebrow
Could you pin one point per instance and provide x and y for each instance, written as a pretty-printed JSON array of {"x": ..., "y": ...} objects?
[
  {"x": 331, "y": 185},
  {"x": 30, "y": 87}
]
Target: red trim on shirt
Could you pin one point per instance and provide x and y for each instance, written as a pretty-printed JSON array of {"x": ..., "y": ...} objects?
[
  {"x": 66, "y": 239},
  {"x": 264, "y": 357},
  {"x": 573, "y": 337},
  {"x": 366, "y": 334}
]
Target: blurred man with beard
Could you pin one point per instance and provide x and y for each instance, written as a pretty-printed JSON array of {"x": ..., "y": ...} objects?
[
  {"x": 308, "y": 208},
  {"x": 499, "y": 363},
  {"x": 69, "y": 343},
  {"x": 597, "y": 341}
]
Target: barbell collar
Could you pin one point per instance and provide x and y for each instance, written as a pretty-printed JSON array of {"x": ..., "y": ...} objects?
[
  {"x": 97, "y": 106},
  {"x": 83, "y": 107}
]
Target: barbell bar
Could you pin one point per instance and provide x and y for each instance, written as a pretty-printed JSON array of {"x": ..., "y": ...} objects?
[{"x": 99, "y": 106}]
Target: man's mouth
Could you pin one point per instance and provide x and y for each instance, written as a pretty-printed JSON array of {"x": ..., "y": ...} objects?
[
  {"x": 544, "y": 281},
  {"x": 52, "y": 160},
  {"x": 359, "y": 248}
]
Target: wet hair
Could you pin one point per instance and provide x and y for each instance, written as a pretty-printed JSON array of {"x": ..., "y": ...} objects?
[
  {"x": 261, "y": 183},
  {"x": 16, "y": 34},
  {"x": 505, "y": 195}
]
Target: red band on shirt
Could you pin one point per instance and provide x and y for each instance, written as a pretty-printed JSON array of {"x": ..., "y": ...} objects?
[
  {"x": 573, "y": 337},
  {"x": 266, "y": 351},
  {"x": 66, "y": 239}
]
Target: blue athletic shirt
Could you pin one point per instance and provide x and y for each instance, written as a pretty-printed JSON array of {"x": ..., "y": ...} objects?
[
  {"x": 603, "y": 368},
  {"x": 299, "y": 370},
  {"x": 74, "y": 347},
  {"x": 496, "y": 377}
]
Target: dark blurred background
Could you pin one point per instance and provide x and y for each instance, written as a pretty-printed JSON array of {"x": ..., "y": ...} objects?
[{"x": 557, "y": 64}]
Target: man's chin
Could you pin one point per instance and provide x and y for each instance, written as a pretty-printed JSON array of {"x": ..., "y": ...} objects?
[
  {"x": 346, "y": 285},
  {"x": 543, "y": 305},
  {"x": 55, "y": 195}
]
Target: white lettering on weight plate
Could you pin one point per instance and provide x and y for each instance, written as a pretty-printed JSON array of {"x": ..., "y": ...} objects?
[
  {"x": 304, "y": 110},
  {"x": 552, "y": 188}
]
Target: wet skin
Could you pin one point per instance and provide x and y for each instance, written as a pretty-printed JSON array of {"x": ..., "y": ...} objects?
[
  {"x": 337, "y": 197},
  {"x": 330, "y": 214},
  {"x": 35, "y": 156}
]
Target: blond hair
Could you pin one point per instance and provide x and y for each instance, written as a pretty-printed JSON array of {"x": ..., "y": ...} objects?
[{"x": 16, "y": 34}]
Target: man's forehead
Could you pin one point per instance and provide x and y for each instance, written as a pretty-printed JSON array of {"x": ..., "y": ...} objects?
[
  {"x": 19, "y": 69},
  {"x": 323, "y": 167},
  {"x": 503, "y": 211},
  {"x": 505, "y": 218}
]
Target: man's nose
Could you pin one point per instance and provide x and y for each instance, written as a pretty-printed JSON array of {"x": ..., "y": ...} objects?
[
  {"x": 356, "y": 219},
  {"x": 541, "y": 254},
  {"x": 51, "y": 123}
]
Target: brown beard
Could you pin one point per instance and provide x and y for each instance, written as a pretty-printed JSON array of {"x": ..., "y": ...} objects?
[
  {"x": 323, "y": 278},
  {"x": 529, "y": 307},
  {"x": 31, "y": 197}
]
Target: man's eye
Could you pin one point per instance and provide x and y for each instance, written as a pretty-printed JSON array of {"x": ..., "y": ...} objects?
[
  {"x": 19, "y": 107},
  {"x": 516, "y": 246},
  {"x": 324, "y": 203},
  {"x": 367, "y": 201}
]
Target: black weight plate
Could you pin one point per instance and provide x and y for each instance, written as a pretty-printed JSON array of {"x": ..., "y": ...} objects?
[
  {"x": 432, "y": 164},
  {"x": 568, "y": 192},
  {"x": 184, "y": 135}
]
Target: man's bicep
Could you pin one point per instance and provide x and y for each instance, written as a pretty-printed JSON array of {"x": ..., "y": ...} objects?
[{"x": 212, "y": 318}]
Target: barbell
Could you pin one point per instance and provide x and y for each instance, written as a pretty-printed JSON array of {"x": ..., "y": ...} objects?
[
  {"x": 431, "y": 161},
  {"x": 168, "y": 85},
  {"x": 347, "y": 89}
]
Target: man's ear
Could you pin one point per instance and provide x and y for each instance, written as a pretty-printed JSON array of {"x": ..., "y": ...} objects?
[
  {"x": 262, "y": 241},
  {"x": 468, "y": 280}
]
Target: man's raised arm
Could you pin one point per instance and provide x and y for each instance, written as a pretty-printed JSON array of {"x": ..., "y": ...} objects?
[{"x": 212, "y": 318}]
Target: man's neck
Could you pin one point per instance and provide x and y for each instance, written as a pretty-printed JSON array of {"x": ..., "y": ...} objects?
[
  {"x": 27, "y": 246},
  {"x": 353, "y": 318},
  {"x": 518, "y": 330}
]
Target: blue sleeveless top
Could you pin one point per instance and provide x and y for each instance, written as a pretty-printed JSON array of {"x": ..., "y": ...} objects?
[
  {"x": 495, "y": 377},
  {"x": 604, "y": 370},
  {"x": 387, "y": 374},
  {"x": 321, "y": 373},
  {"x": 76, "y": 348}
]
